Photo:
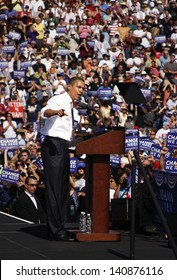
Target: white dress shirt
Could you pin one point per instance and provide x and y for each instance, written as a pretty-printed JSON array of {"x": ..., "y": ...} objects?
[
  {"x": 56, "y": 126},
  {"x": 32, "y": 197}
]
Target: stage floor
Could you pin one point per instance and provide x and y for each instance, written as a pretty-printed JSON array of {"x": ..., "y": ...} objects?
[{"x": 20, "y": 240}]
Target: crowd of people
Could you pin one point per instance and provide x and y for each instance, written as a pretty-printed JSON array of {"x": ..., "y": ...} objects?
[{"x": 43, "y": 44}]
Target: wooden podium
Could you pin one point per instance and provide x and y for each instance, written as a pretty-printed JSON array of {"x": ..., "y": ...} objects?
[{"x": 98, "y": 150}]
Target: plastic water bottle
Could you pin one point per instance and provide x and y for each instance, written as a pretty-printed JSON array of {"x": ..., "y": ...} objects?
[
  {"x": 88, "y": 223},
  {"x": 82, "y": 222}
]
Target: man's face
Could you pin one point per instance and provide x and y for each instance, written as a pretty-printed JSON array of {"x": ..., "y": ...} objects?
[
  {"x": 31, "y": 186},
  {"x": 76, "y": 90}
]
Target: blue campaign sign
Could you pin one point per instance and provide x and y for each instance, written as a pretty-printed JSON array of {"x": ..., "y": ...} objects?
[
  {"x": 166, "y": 185},
  {"x": 26, "y": 64},
  {"x": 171, "y": 140},
  {"x": 9, "y": 143},
  {"x": 73, "y": 165},
  {"x": 145, "y": 143},
  {"x": 105, "y": 93},
  {"x": 14, "y": 35},
  {"x": 23, "y": 44},
  {"x": 131, "y": 143},
  {"x": 92, "y": 93},
  {"x": 156, "y": 152},
  {"x": 8, "y": 49},
  {"x": 91, "y": 43},
  {"x": 82, "y": 112},
  {"x": 19, "y": 74},
  {"x": 173, "y": 130},
  {"x": 3, "y": 17},
  {"x": 61, "y": 29},
  {"x": 62, "y": 51},
  {"x": 160, "y": 39},
  {"x": 39, "y": 162},
  {"x": 171, "y": 165},
  {"x": 114, "y": 160},
  {"x": 132, "y": 132},
  {"x": 115, "y": 107},
  {"x": 10, "y": 176},
  {"x": 3, "y": 64},
  {"x": 146, "y": 93}
]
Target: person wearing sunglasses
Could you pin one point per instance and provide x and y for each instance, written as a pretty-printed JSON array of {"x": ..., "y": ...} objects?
[{"x": 27, "y": 206}]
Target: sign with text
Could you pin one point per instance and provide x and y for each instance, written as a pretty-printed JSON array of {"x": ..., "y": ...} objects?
[
  {"x": 160, "y": 39},
  {"x": 145, "y": 143},
  {"x": 10, "y": 176},
  {"x": 156, "y": 152},
  {"x": 171, "y": 165},
  {"x": 19, "y": 74},
  {"x": 26, "y": 64},
  {"x": 166, "y": 186},
  {"x": 171, "y": 140},
  {"x": 61, "y": 29},
  {"x": 14, "y": 35},
  {"x": 9, "y": 143},
  {"x": 16, "y": 108},
  {"x": 114, "y": 160},
  {"x": 73, "y": 164},
  {"x": 105, "y": 93},
  {"x": 131, "y": 143},
  {"x": 8, "y": 49},
  {"x": 62, "y": 51},
  {"x": 3, "y": 64},
  {"x": 146, "y": 93},
  {"x": 92, "y": 93}
]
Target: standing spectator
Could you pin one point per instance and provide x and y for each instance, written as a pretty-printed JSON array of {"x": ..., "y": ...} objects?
[
  {"x": 33, "y": 110},
  {"x": 9, "y": 127}
]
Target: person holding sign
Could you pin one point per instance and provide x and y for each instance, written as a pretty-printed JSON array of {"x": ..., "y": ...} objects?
[{"x": 58, "y": 130}]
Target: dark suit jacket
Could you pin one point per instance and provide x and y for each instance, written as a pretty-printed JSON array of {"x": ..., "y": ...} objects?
[{"x": 24, "y": 208}]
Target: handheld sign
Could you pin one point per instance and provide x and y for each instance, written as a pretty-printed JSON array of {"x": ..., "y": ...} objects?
[
  {"x": 6, "y": 143},
  {"x": 73, "y": 165}
]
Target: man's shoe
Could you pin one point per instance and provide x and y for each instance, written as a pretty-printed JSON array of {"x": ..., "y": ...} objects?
[{"x": 64, "y": 237}]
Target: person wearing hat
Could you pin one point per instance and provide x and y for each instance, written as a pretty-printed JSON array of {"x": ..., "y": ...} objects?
[
  {"x": 172, "y": 104},
  {"x": 122, "y": 115},
  {"x": 129, "y": 123},
  {"x": 162, "y": 132},
  {"x": 39, "y": 64}
]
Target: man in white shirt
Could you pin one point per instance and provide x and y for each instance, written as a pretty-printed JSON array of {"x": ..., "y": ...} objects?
[{"x": 58, "y": 131}]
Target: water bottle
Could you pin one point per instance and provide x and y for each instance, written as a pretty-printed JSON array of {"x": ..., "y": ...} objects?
[
  {"x": 82, "y": 222},
  {"x": 88, "y": 223}
]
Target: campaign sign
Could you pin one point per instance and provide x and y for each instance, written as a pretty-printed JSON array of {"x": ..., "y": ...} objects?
[
  {"x": 16, "y": 108},
  {"x": 166, "y": 119},
  {"x": 132, "y": 132},
  {"x": 19, "y": 74},
  {"x": 160, "y": 39},
  {"x": 26, "y": 64},
  {"x": 10, "y": 176},
  {"x": 166, "y": 185},
  {"x": 3, "y": 64},
  {"x": 92, "y": 93},
  {"x": 10, "y": 153},
  {"x": 73, "y": 164},
  {"x": 173, "y": 130},
  {"x": 115, "y": 107},
  {"x": 171, "y": 165},
  {"x": 8, "y": 49},
  {"x": 131, "y": 143},
  {"x": 105, "y": 93},
  {"x": 171, "y": 140},
  {"x": 62, "y": 51},
  {"x": 91, "y": 44},
  {"x": 61, "y": 29},
  {"x": 146, "y": 93},
  {"x": 156, "y": 152},
  {"x": 9, "y": 143},
  {"x": 39, "y": 163},
  {"x": 14, "y": 35},
  {"x": 145, "y": 143},
  {"x": 23, "y": 44},
  {"x": 82, "y": 112},
  {"x": 114, "y": 160},
  {"x": 3, "y": 17}
]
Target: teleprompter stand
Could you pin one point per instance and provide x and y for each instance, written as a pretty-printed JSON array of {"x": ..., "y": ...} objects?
[{"x": 98, "y": 150}]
